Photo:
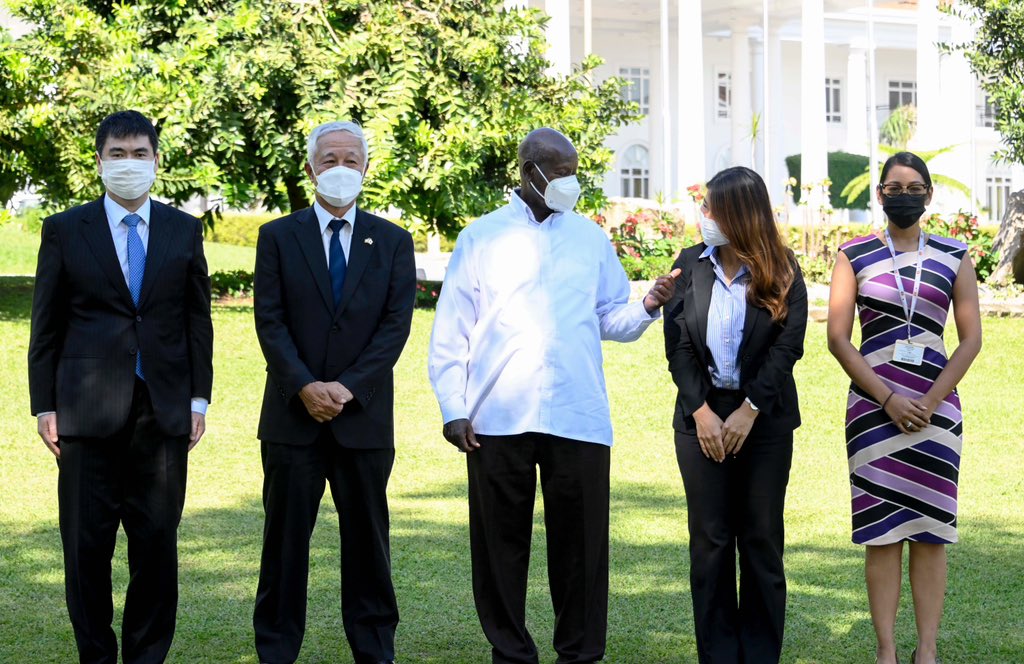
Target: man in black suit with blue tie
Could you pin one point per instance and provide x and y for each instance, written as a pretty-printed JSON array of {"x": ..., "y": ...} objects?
[
  {"x": 120, "y": 373},
  {"x": 334, "y": 295}
]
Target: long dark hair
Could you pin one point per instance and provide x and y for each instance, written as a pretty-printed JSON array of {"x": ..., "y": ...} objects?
[{"x": 740, "y": 204}]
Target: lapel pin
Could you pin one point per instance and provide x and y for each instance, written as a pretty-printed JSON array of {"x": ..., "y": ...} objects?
[{"x": 369, "y": 241}]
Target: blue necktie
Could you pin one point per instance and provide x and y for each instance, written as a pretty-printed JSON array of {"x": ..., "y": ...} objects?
[
  {"x": 336, "y": 263},
  {"x": 136, "y": 270}
]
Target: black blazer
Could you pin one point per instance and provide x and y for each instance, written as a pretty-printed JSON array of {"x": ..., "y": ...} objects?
[
  {"x": 767, "y": 351},
  {"x": 305, "y": 340},
  {"x": 86, "y": 331}
]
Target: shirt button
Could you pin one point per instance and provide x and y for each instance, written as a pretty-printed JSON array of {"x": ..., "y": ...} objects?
[{"x": 138, "y": 319}]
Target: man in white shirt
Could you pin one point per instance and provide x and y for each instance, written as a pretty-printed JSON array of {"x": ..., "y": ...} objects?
[{"x": 515, "y": 362}]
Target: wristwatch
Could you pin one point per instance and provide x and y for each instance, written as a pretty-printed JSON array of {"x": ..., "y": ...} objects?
[{"x": 752, "y": 406}]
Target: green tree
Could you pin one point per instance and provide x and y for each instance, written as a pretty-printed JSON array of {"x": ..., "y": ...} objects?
[
  {"x": 996, "y": 55},
  {"x": 445, "y": 92}
]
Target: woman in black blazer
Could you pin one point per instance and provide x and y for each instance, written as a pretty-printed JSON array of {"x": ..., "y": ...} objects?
[{"x": 733, "y": 332}]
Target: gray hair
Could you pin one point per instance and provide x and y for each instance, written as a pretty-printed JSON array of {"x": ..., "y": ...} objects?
[{"x": 327, "y": 128}]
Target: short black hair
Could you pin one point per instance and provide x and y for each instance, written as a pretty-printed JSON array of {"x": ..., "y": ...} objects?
[
  {"x": 910, "y": 160},
  {"x": 123, "y": 124}
]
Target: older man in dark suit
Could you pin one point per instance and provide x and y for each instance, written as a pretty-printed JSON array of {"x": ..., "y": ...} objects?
[
  {"x": 120, "y": 372},
  {"x": 334, "y": 295}
]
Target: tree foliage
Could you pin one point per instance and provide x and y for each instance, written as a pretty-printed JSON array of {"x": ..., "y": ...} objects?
[
  {"x": 996, "y": 55},
  {"x": 445, "y": 91}
]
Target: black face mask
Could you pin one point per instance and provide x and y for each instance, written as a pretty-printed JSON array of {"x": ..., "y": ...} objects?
[{"x": 904, "y": 210}]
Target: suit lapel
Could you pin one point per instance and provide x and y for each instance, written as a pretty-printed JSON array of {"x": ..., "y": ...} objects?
[
  {"x": 160, "y": 233},
  {"x": 359, "y": 253},
  {"x": 96, "y": 231},
  {"x": 703, "y": 280},
  {"x": 750, "y": 322},
  {"x": 311, "y": 242}
]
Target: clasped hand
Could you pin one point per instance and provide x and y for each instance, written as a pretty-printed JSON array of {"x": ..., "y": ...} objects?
[
  {"x": 718, "y": 439},
  {"x": 325, "y": 401},
  {"x": 913, "y": 412}
]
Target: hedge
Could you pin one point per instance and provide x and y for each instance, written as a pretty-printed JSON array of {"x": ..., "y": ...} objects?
[{"x": 842, "y": 167}]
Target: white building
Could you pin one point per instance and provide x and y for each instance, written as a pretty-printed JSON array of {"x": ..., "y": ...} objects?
[{"x": 809, "y": 70}]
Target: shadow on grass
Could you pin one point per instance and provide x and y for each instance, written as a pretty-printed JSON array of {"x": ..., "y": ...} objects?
[
  {"x": 16, "y": 298},
  {"x": 649, "y": 607}
]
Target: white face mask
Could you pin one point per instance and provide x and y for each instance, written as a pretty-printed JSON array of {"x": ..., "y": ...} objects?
[
  {"x": 128, "y": 178},
  {"x": 561, "y": 194},
  {"x": 713, "y": 236},
  {"x": 340, "y": 185}
]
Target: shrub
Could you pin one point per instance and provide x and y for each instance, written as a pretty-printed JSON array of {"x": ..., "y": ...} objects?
[
  {"x": 239, "y": 228},
  {"x": 427, "y": 293},
  {"x": 648, "y": 233},
  {"x": 964, "y": 227},
  {"x": 231, "y": 283},
  {"x": 842, "y": 167},
  {"x": 645, "y": 269}
]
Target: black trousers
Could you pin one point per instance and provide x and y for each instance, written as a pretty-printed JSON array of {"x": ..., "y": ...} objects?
[
  {"x": 293, "y": 485},
  {"x": 737, "y": 505},
  {"x": 502, "y": 486},
  {"x": 135, "y": 478}
]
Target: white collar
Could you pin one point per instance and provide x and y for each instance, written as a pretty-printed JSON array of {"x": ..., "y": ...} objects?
[
  {"x": 325, "y": 217},
  {"x": 116, "y": 212}
]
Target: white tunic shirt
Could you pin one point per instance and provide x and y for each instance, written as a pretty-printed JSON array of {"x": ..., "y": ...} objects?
[{"x": 516, "y": 345}]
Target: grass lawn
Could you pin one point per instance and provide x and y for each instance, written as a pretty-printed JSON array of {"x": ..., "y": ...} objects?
[{"x": 650, "y": 615}]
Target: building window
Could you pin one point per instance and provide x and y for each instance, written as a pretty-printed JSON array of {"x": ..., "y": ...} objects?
[
  {"x": 987, "y": 112},
  {"x": 902, "y": 93},
  {"x": 833, "y": 101},
  {"x": 635, "y": 172},
  {"x": 638, "y": 88},
  {"x": 723, "y": 95},
  {"x": 997, "y": 193}
]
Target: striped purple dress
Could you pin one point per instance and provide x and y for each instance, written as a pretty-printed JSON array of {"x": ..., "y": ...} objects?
[{"x": 904, "y": 487}]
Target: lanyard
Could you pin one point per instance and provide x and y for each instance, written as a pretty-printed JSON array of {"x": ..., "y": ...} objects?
[{"x": 907, "y": 311}]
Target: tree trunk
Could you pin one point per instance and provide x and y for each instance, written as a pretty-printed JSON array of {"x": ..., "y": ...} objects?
[
  {"x": 1009, "y": 243},
  {"x": 297, "y": 198}
]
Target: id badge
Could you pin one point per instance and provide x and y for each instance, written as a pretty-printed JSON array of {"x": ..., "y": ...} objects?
[{"x": 907, "y": 352}]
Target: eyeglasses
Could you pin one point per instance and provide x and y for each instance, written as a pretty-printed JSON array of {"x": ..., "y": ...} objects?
[{"x": 915, "y": 189}]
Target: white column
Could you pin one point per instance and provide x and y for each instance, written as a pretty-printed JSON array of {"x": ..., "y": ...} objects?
[
  {"x": 665, "y": 94},
  {"x": 588, "y": 27},
  {"x": 557, "y": 30},
  {"x": 930, "y": 123},
  {"x": 855, "y": 106},
  {"x": 758, "y": 104},
  {"x": 775, "y": 172},
  {"x": 877, "y": 218},
  {"x": 813, "y": 136},
  {"x": 741, "y": 106},
  {"x": 690, "y": 149}
]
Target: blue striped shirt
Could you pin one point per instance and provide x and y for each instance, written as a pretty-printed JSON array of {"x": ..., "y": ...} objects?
[{"x": 726, "y": 316}]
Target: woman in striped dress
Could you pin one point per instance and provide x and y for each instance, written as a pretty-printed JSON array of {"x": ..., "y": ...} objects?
[{"x": 903, "y": 419}]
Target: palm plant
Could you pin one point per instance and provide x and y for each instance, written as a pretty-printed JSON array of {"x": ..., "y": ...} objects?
[{"x": 895, "y": 134}]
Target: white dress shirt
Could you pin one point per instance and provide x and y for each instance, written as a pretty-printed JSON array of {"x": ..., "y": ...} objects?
[
  {"x": 119, "y": 229},
  {"x": 516, "y": 345},
  {"x": 325, "y": 217},
  {"x": 726, "y": 316}
]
